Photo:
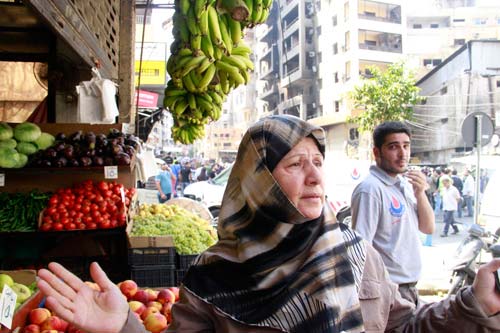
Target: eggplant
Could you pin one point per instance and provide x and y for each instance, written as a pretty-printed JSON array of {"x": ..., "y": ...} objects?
[
  {"x": 122, "y": 159},
  {"x": 73, "y": 162},
  {"x": 61, "y": 137},
  {"x": 90, "y": 138},
  {"x": 108, "y": 160},
  {"x": 60, "y": 162},
  {"x": 85, "y": 161},
  {"x": 69, "y": 152},
  {"x": 97, "y": 160},
  {"x": 50, "y": 153}
]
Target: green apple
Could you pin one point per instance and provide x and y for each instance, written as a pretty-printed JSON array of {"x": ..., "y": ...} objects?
[
  {"x": 5, "y": 280},
  {"x": 23, "y": 292}
]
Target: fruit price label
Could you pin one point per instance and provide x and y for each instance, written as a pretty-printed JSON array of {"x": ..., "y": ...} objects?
[
  {"x": 111, "y": 172},
  {"x": 7, "y": 306},
  {"x": 2, "y": 179}
]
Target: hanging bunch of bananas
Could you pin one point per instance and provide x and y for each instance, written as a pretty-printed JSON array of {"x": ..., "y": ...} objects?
[{"x": 208, "y": 59}]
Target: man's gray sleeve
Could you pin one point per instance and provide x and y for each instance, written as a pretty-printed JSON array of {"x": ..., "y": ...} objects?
[{"x": 365, "y": 210}]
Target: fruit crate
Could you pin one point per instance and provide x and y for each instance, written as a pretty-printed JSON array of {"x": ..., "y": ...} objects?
[
  {"x": 151, "y": 256},
  {"x": 179, "y": 275},
  {"x": 185, "y": 260},
  {"x": 153, "y": 276}
]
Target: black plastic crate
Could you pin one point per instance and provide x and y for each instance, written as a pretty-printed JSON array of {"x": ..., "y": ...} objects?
[
  {"x": 153, "y": 276},
  {"x": 148, "y": 256},
  {"x": 179, "y": 275},
  {"x": 185, "y": 260}
]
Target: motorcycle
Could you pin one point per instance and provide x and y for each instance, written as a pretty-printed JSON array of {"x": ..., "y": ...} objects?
[{"x": 464, "y": 263}]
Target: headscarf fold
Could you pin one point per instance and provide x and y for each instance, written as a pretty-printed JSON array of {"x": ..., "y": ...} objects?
[{"x": 273, "y": 267}]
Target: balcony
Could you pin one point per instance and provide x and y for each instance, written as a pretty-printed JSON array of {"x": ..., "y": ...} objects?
[
  {"x": 398, "y": 48},
  {"x": 269, "y": 93}
]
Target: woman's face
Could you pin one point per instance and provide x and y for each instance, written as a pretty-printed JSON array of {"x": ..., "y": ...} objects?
[{"x": 300, "y": 175}]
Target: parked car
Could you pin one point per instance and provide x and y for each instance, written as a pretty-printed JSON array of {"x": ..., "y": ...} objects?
[
  {"x": 341, "y": 177},
  {"x": 209, "y": 192}
]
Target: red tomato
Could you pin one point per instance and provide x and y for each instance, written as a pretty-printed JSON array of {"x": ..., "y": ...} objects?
[
  {"x": 47, "y": 219},
  {"x": 51, "y": 210},
  {"x": 81, "y": 226},
  {"x": 95, "y": 214},
  {"x": 77, "y": 207},
  {"x": 91, "y": 225},
  {"x": 46, "y": 227},
  {"x": 104, "y": 224},
  {"x": 70, "y": 226},
  {"x": 57, "y": 226},
  {"x": 53, "y": 200},
  {"x": 102, "y": 186},
  {"x": 85, "y": 209}
]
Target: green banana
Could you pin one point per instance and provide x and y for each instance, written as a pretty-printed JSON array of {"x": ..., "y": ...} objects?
[
  {"x": 213, "y": 24},
  {"x": 181, "y": 106},
  {"x": 185, "y": 51},
  {"x": 191, "y": 101},
  {"x": 174, "y": 92},
  {"x": 193, "y": 63},
  {"x": 215, "y": 97},
  {"x": 204, "y": 29},
  {"x": 226, "y": 38},
  {"x": 232, "y": 71},
  {"x": 199, "y": 6},
  {"x": 263, "y": 16},
  {"x": 242, "y": 49},
  {"x": 184, "y": 6},
  {"x": 257, "y": 11},
  {"x": 196, "y": 43},
  {"x": 192, "y": 24},
  {"x": 207, "y": 47},
  {"x": 203, "y": 66},
  {"x": 189, "y": 84},
  {"x": 217, "y": 53},
  {"x": 235, "y": 62},
  {"x": 245, "y": 59},
  {"x": 234, "y": 28}
]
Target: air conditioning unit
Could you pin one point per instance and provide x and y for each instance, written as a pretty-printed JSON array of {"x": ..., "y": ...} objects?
[
  {"x": 314, "y": 105},
  {"x": 314, "y": 69},
  {"x": 312, "y": 54},
  {"x": 428, "y": 66}
]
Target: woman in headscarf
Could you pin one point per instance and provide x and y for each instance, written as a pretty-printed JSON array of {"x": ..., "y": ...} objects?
[{"x": 282, "y": 263}]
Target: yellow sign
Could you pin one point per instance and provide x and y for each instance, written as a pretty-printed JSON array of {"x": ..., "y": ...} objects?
[{"x": 152, "y": 72}]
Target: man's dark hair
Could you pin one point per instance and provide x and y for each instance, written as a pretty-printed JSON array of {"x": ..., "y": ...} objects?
[{"x": 386, "y": 128}]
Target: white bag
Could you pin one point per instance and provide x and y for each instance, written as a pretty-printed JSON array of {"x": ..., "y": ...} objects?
[{"x": 96, "y": 100}]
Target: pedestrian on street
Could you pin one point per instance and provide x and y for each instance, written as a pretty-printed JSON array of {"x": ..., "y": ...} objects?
[
  {"x": 389, "y": 207},
  {"x": 185, "y": 175},
  {"x": 451, "y": 197},
  {"x": 437, "y": 194},
  {"x": 468, "y": 191},
  {"x": 282, "y": 262},
  {"x": 164, "y": 181},
  {"x": 457, "y": 182}
]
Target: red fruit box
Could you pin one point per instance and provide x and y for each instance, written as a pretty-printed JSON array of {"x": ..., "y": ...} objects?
[{"x": 25, "y": 277}]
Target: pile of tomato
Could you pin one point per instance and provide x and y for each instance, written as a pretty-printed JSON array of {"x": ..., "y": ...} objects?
[{"x": 88, "y": 205}]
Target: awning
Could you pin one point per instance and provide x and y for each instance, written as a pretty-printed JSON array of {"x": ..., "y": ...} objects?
[{"x": 147, "y": 99}]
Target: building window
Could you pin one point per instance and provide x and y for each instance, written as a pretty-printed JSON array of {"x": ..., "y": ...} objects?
[
  {"x": 353, "y": 134},
  {"x": 318, "y": 31},
  {"x": 498, "y": 83},
  {"x": 335, "y": 48},
  {"x": 347, "y": 70},
  {"x": 347, "y": 40},
  {"x": 346, "y": 11},
  {"x": 336, "y": 77},
  {"x": 320, "y": 83},
  {"x": 417, "y": 26},
  {"x": 434, "y": 25},
  {"x": 427, "y": 62},
  {"x": 334, "y": 20},
  {"x": 436, "y": 62},
  {"x": 459, "y": 42},
  {"x": 458, "y": 20},
  {"x": 480, "y": 21},
  {"x": 337, "y": 106}
]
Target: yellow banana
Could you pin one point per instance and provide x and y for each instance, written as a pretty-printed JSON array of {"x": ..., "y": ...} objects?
[
  {"x": 226, "y": 38},
  {"x": 213, "y": 24},
  {"x": 217, "y": 53}
]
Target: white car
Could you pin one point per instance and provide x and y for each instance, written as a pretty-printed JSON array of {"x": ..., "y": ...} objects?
[{"x": 209, "y": 192}]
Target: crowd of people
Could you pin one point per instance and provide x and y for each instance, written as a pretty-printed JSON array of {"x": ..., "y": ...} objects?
[
  {"x": 176, "y": 173},
  {"x": 284, "y": 264}
]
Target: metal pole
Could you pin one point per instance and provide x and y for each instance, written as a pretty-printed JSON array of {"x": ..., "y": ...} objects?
[{"x": 479, "y": 119}]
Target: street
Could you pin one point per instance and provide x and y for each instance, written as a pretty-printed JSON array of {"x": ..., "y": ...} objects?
[{"x": 435, "y": 278}]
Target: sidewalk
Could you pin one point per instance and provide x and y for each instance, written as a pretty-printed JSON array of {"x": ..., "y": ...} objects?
[{"x": 435, "y": 279}]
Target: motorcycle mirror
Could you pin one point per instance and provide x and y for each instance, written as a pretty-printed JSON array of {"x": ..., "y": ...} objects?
[{"x": 495, "y": 250}]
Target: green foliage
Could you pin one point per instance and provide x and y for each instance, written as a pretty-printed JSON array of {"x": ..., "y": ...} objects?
[{"x": 388, "y": 95}]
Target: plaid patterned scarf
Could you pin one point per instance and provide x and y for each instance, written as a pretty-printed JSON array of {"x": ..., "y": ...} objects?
[{"x": 272, "y": 267}]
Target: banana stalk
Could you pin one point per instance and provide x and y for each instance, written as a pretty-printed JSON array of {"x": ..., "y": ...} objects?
[{"x": 236, "y": 8}]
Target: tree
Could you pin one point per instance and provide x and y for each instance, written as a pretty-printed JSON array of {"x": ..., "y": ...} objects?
[{"x": 388, "y": 95}]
